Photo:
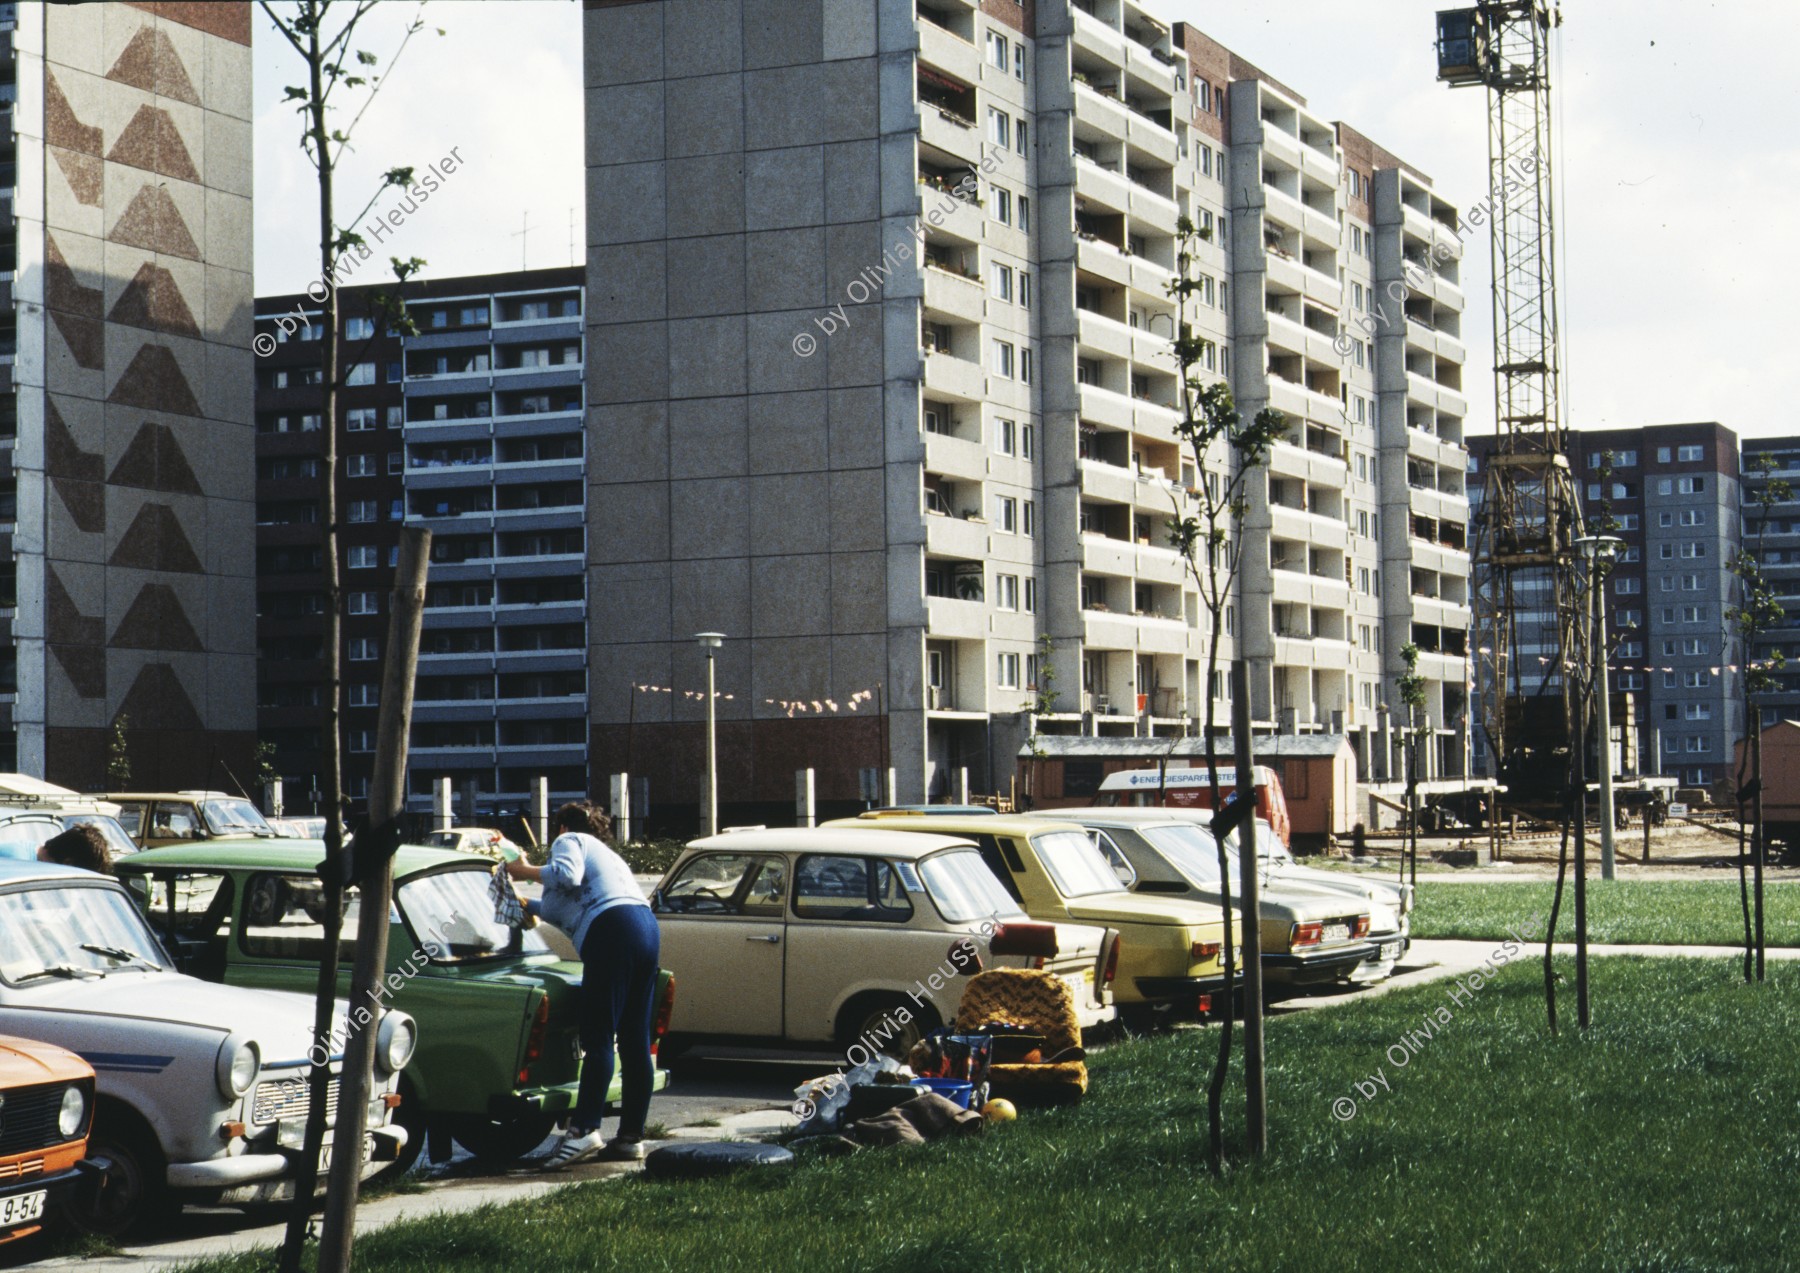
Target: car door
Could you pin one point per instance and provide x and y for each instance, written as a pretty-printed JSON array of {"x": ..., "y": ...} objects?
[{"x": 724, "y": 938}]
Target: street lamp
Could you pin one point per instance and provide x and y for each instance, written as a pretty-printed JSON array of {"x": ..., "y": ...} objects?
[
  {"x": 1598, "y": 551},
  {"x": 709, "y": 803}
]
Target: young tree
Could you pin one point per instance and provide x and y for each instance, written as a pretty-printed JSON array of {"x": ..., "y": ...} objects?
[
  {"x": 118, "y": 756},
  {"x": 1412, "y": 697},
  {"x": 1228, "y": 455},
  {"x": 337, "y": 75},
  {"x": 1758, "y": 610}
]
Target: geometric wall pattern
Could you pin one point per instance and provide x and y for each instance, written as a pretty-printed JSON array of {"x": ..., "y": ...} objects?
[{"x": 144, "y": 383}]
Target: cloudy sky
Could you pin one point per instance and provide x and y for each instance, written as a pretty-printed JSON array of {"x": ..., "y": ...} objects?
[{"x": 1678, "y": 165}]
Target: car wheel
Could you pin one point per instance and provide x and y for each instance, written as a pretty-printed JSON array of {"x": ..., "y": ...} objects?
[
  {"x": 879, "y": 1022},
  {"x": 412, "y": 1116},
  {"x": 266, "y": 901},
  {"x": 131, "y": 1191},
  {"x": 316, "y": 910},
  {"x": 504, "y": 1141}
]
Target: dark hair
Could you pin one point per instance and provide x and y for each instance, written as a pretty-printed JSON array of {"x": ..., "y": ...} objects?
[
  {"x": 81, "y": 845},
  {"x": 599, "y": 822},
  {"x": 571, "y": 817}
]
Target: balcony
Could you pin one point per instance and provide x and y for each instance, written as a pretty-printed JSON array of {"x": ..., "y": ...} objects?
[
  {"x": 1280, "y": 144},
  {"x": 957, "y": 295},
  {"x": 1297, "y": 402},
  {"x": 961, "y": 218},
  {"x": 1096, "y": 37},
  {"x": 948, "y": 536},
  {"x": 1100, "y": 183},
  {"x": 1307, "y": 528},
  {"x": 950, "y": 133},
  {"x": 1102, "y": 335},
  {"x": 948, "y": 52},
  {"x": 955, "y": 377},
  {"x": 955, "y": 618},
  {"x": 1110, "y": 482},
  {"x": 1103, "y": 111},
  {"x": 956, "y": 457}
]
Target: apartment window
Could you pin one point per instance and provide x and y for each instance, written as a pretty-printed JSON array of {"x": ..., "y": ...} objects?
[
  {"x": 1002, "y": 363},
  {"x": 1698, "y": 679},
  {"x": 359, "y": 419},
  {"x": 358, "y": 329},
  {"x": 1025, "y": 213},
  {"x": 1025, "y": 366},
  {"x": 1690, "y": 485},
  {"x": 364, "y": 649},
  {"x": 1668, "y": 614},
  {"x": 1631, "y": 650},
  {"x": 365, "y": 695},
  {"x": 364, "y": 510},
  {"x": 1006, "y": 592},
  {"x": 396, "y": 416},
  {"x": 1625, "y": 459},
  {"x": 997, "y": 50},
  {"x": 1028, "y": 442},
  {"x": 1693, "y": 549},
  {"x": 1694, "y": 614},
  {"x": 1662, "y": 455},
  {"x": 363, "y": 373},
  {"x": 1628, "y": 521},
  {"x": 1019, "y": 62},
  {"x": 359, "y": 466},
  {"x": 1006, "y": 514},
  {"x": 1000, "y": 128},
  {"x": 1695, "y": 645},
  {"x": 1665, "y": 519},
  {"x": 363, "y": 557},
  {"x": 1002, "y": 206},
  {"x": 1665, "y": 486},
  {"x": 363, "y": 602},
  {"x": 1205, "y": 90},
  {"x": 1008, "y": 673},
  {"x": 1628, "y": 618},
  {"x": 1024, "y": 275},
  {"x": 1688, "y": 454},
  {"x": 1693, "y": 517},
  {"x": 1003, "y": 282},
  {"x": 395, "y": 373},
  {"x": 1019, "y": 138},
  {"x": 1631, "y": 680},
  {"x": 1006, "y": 437},
  {"x": 1690, "y": 583},
  {"x": 1699, "y": 711},
  {"x": 1030, "y": 595},
  {"x": 396, "y": 463},
  {"x": 1626, "y": 586},
  {"x": 362, "y": 740},
  {"x": 1666, "y": 551},
  {"x": 1030, "y": 523}
]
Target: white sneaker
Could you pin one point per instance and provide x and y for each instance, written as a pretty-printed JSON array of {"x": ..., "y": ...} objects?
[
  {"x": 573, "y": 1149},
  {"x": 622, "y": 1150}
]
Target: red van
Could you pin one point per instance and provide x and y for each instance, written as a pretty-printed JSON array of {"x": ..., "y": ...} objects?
[{"x": 1192, "y": 789}]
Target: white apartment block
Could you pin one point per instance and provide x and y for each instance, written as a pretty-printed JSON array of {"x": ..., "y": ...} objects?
[{"x": 880, "y": 359}]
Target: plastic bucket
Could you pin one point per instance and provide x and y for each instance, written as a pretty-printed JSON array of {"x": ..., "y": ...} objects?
[{"x": 959, "y": 1090}]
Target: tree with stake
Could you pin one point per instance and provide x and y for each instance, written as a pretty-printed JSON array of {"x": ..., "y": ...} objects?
[
  {"x": 334, "y": 70},
  {"x": 1759, "y": 610},
  {"x": 1411, "y": 687},
  {"x": 1228, "y": 454}
]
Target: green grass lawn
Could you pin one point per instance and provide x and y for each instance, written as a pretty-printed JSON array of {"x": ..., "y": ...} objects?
[
  {"x": 1666, "y": 1139},
  {"x": 1652, "y": 912}
]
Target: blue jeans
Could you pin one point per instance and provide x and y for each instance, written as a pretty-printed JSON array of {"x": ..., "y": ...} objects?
[{"x": 620, "y": 960}]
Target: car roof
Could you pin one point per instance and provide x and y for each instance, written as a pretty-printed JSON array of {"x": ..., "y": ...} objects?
[
  {"x": 14, "y": 871},
  {"x": 953, "y": 823},
  {"x": 830, "y": 839},
  {"x": 1133, "y": 816},
  {"x": 248, "y": 853}
]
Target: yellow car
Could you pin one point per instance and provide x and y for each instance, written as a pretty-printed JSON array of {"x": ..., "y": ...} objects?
[{"x": 1169, "y": 949}]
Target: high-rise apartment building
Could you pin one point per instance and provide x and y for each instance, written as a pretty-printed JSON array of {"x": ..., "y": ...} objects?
[
  {"x": 1672, "y": 493},
  {"x": 126, "y": 421},
  {"x": 1774, "y": 537},
  {"x": 881, "y": 369},
  {"x": 472, "y": 428}
]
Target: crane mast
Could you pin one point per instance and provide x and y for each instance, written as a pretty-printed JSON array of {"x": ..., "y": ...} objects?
[{"x": 1528, "y": 605}]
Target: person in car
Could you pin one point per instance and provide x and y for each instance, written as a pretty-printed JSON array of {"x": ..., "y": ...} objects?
[
  {"x": 81, "y": 845},
  {"x": 590, "y": 893}
]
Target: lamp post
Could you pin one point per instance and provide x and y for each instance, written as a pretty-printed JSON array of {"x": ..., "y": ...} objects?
[
  {"x": 1598, "y": 550},
  {"x": 709, "y": 803}
]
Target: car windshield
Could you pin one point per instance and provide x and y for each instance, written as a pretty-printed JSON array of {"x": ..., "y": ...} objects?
[
  {"x": 1194, "y": 853},
  {"x": 1270, "y": 848},
  {"x": 234, "y": 817},
  {"x": 1076, "y": 867},
  {"x": 117, "y": 842},
  {"x": 451, "y": 914},
  {"x": 963, "y": 887},
  {"x": 22, "y": 839},
  {"x": 70, "y": 930}
]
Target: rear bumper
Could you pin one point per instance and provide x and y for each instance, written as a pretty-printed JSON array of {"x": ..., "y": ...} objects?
[
  {"x": 1388, "y": 950},
  {"x": 1314, "y": 968},
  {"x": 1177, "y": 989}
]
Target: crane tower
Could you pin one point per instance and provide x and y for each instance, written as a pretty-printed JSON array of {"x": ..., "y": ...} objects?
[{"x": 1529, "y": 616}]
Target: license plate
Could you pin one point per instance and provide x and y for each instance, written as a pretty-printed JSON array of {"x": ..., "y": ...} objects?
[
  {"x": 1081, "y": 983},
  {"x": 22, "y": 1208},
  {"x": 1391, "y": 950},
  {"x": 368, "y": 1148},
  {"x": 1336, "y": 932}
]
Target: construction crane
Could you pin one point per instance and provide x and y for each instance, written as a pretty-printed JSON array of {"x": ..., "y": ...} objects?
[{"x": 1528, "y": 600}]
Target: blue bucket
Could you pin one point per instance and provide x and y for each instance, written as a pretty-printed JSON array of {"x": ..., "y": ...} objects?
[{"x": 959, "y": 1090}]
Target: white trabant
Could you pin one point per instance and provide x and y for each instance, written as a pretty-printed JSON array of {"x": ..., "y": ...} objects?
[
  {"x": 822, "y": 935},
  {"x": 201, "y": 1088}
]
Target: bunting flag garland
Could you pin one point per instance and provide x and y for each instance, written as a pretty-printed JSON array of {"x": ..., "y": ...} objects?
[{"x": 792, "y": 707}]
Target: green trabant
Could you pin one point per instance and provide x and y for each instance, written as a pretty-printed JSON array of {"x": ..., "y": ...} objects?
[{"x": 498, "y": 1058}]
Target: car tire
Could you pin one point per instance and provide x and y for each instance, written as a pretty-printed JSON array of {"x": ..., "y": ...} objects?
[
  {"x": 265, "y": 901},
  {"x": 500, "y": 1142},
  {"x": 413, "y": 1117},
  {"x": 871, "y": 1020},
  {"x": 131, "y": 1193}
]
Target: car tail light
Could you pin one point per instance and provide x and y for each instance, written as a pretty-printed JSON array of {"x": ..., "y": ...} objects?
[
  {"x": 1203, "y": 1004},
  {"x": 1206, "y": 949},
  {"x": 1361, "y": 927},
  {"x": 534, "y": 1043},
  {"x": 1112, "y": 962},
  {"x": 1307, "y": 934},
  {"x": 665, "y": 1011},
  {"x": 1024, "y": 939}
]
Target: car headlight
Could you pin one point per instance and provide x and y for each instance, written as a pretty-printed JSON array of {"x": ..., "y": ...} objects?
[
  {"x": 394, "y": 1044},
  {"x": 239, "y": 1061},
  {"x": 72, "y": 1117}
]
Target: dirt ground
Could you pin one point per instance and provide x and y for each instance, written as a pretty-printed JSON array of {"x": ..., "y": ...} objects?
[{"x": 1681, "y": 850}]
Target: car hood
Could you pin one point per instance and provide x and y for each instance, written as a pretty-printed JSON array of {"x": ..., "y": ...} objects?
[
  {"x": 280, "y": 1022},
  {"x": 537, "y": 971},
  {"x": 24, "y": 1062},
  {"x": 1130, "y": 908},
  {"x": 1311, "y": 879}
]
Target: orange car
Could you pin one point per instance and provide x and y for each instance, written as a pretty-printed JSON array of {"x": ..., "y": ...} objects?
[{"x": 46, "y": 1106}]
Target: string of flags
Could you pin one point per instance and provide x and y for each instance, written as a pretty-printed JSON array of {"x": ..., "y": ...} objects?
[
  {"x": 698, "y": 696},
  {"x": 793, "y": 707}
]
